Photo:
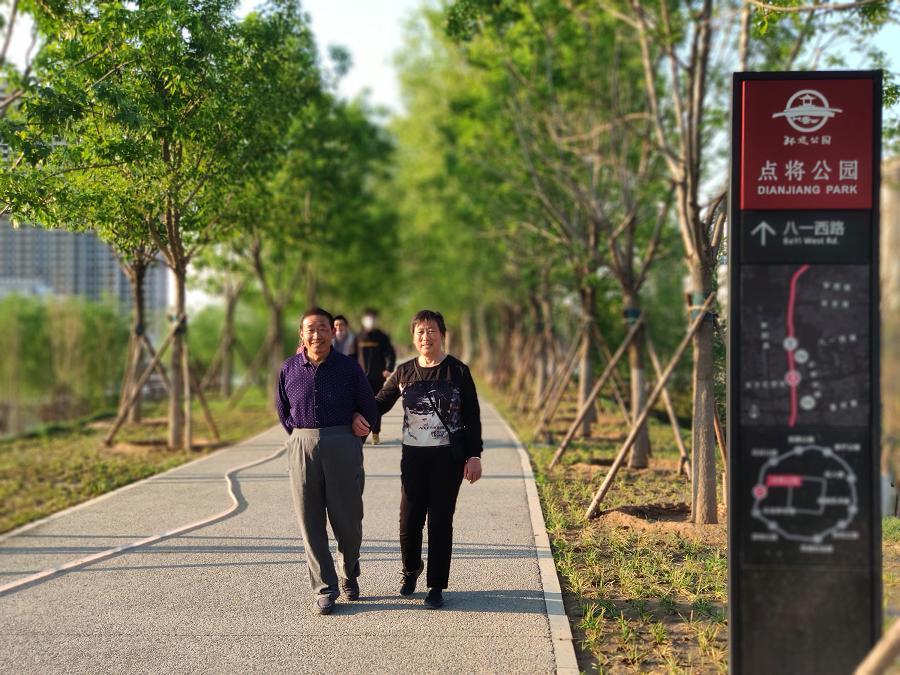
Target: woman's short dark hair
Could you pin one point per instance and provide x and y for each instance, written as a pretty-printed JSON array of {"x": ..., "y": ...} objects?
[
  {"x": 426, "y": 315},
  {"x": 341, "y": 317},
  {"x": 317, "y": 311}
]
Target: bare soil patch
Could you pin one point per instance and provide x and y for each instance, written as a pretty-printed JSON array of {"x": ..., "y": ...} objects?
[{"x": 666, "y": 518}]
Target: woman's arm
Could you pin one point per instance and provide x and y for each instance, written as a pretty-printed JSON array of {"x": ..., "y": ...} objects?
[
  {"x": 470, "y": 413},
  {"x": 389, "y": 393}
]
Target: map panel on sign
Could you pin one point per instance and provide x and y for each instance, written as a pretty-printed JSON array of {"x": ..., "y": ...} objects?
[
  {"x": 804, "y": 345},
  {"x": 805, "y": 496}
]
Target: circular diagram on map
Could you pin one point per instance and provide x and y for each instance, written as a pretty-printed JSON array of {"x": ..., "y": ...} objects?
[{"x": 805, "y": 494}]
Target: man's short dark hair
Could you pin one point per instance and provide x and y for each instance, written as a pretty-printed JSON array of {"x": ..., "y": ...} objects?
[
  {"x": 341, "y": 317},
  {"x": 425, "y": 315},
  {"x": 317, "y": 311},
  {"x": 370, "y": 311}
]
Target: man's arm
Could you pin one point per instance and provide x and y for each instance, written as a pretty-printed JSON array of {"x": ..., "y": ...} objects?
[
  {"x": 282, "y": 404},
  {"x": 471, "y": 414},
  {"x": 365, "y": 399},
  {"x": 390, "y": 356}
]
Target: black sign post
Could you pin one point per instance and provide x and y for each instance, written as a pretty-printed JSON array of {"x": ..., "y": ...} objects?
[{"x": 803, "y": 364}]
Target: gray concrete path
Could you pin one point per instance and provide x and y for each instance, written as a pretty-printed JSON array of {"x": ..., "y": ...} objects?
[{"x": 233, "y": 596}]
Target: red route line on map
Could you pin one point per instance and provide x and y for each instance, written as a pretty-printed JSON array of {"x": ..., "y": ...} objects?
[{"x": 792, "y": 297}]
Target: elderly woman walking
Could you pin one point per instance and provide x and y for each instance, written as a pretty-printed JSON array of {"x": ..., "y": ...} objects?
[{"x": 441, "y": 446}]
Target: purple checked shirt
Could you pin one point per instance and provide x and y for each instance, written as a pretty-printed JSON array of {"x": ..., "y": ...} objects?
[{"x": 327, "y": 395}]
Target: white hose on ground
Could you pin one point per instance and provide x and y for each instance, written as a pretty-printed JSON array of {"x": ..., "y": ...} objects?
[{"x": 109, "y": 553}]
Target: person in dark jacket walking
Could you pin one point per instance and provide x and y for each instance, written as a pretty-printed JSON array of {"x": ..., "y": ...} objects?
[
  {"x": 376, "y": 356},
  {"x": 441, "y": 446},
  {"x": 320, "y": 393}
]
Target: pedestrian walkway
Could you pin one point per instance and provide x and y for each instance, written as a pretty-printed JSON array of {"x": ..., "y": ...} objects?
[{"x": 233, "y": 596}]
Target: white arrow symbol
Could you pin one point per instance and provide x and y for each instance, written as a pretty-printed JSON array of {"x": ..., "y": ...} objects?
[{"x": 762, "y": 230}]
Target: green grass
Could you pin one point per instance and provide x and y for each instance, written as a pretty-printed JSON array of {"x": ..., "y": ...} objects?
[
  {"x": 63, "y": 465},
  {"x": 890, "y": 530},
  {"x": 642, "y": 601}
]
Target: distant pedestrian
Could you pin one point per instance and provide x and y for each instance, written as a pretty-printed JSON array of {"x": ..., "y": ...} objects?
[
  {"x": 344, "y": 338},
  {"x": 320, "y": 393},
  {"x": 441, "y": 446},
  {"x": 376, "y": 356}
]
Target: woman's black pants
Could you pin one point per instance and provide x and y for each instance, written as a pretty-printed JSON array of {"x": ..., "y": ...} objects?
[{"x": 430, "y": 481}]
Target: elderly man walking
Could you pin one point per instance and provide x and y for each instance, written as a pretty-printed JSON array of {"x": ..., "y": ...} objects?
[{"x": 319, "y": 392}]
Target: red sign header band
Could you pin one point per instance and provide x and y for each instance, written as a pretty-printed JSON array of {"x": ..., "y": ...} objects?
[{"x": 806, "y": 144}]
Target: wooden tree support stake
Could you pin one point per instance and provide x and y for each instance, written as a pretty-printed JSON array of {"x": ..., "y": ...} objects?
[
  {"x": 883, "y": 653},
  {"x": 160, "y": 368},
  {"x": 142, "y": 380},
  {"x": 595, "y": 391},
  {"x": 262, "y": 356},
  {"x": 685, "y": 461},
  {"x": 616, "y": 384},
  {"x": 723, "y": 453},
  {"x": 561, "y": 373},
  {"x": 188, "y": 438},
  {"x": 207, "y": 415},
  {"x": 648, "y": 405},
  {"x": 560, "y": 385}
]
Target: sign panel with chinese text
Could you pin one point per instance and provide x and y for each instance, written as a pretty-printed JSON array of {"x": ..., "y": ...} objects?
[{"x": 803, "y": 426}]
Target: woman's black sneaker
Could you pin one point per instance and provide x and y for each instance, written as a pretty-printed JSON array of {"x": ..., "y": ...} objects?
[
  {"x": 434, "y": 599},
  {"x": 409, "y": 581}
]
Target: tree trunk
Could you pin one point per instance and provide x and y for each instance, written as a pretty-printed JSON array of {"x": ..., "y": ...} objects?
[
  {"x": 465, "y": 335},
  {"x": 275, "y": 340},
  {"x": 703, "y": 437},
  {"x": 226, "y": 371},
  {"x": 312, "y": 288},
  {"x": 176, "y": 396},
  {"x": 188, "y": 435},
  {"x": 640, "y": 451},
  {"x": 586, "y": 366},
  {"x": 513, "y": 343},
  {"x": 548, "y": 348},
  {"x": 138, "y": 271},
  {"x": 541, "y": 353},
  {"x": 485, "y": 351}
]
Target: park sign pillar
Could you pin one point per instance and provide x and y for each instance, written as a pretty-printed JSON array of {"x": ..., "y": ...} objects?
[{"x": 804, "y": 529}]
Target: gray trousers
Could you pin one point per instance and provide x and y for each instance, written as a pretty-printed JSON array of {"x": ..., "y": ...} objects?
[{"x": 327, "y": 479}]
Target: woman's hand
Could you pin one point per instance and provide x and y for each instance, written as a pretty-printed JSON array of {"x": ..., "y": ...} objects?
[
  {"x": 472, "y": 469},
  {"x": 360, "y": 425}
]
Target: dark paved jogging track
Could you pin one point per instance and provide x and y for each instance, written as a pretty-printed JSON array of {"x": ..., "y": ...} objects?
[{"x": 233, "y": 596}]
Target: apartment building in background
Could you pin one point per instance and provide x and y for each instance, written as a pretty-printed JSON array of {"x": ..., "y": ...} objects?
[{"x": 39, "y": 262}]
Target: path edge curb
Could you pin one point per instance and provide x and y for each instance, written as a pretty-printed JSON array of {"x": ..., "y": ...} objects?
[{"x": 560, "y": 631}]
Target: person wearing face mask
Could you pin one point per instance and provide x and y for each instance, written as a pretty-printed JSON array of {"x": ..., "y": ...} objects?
[
  {"x": 322, "y": 396},
  {"x": 441, "y": 446},
  {"x": 376, "y": 356}
]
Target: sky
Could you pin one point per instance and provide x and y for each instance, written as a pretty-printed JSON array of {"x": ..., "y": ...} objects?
[{"x": 373, "y": 31}]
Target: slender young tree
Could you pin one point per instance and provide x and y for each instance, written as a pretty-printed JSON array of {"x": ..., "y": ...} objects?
[{"x": 178, "y": 100}]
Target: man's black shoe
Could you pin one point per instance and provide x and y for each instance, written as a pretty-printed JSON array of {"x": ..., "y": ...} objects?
[
  {"x": 434, "y": 599},
  {"x": 409, "y": 581},
  {"x": 323, "y": 604},
  {"x": 350, "y": 588}
]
